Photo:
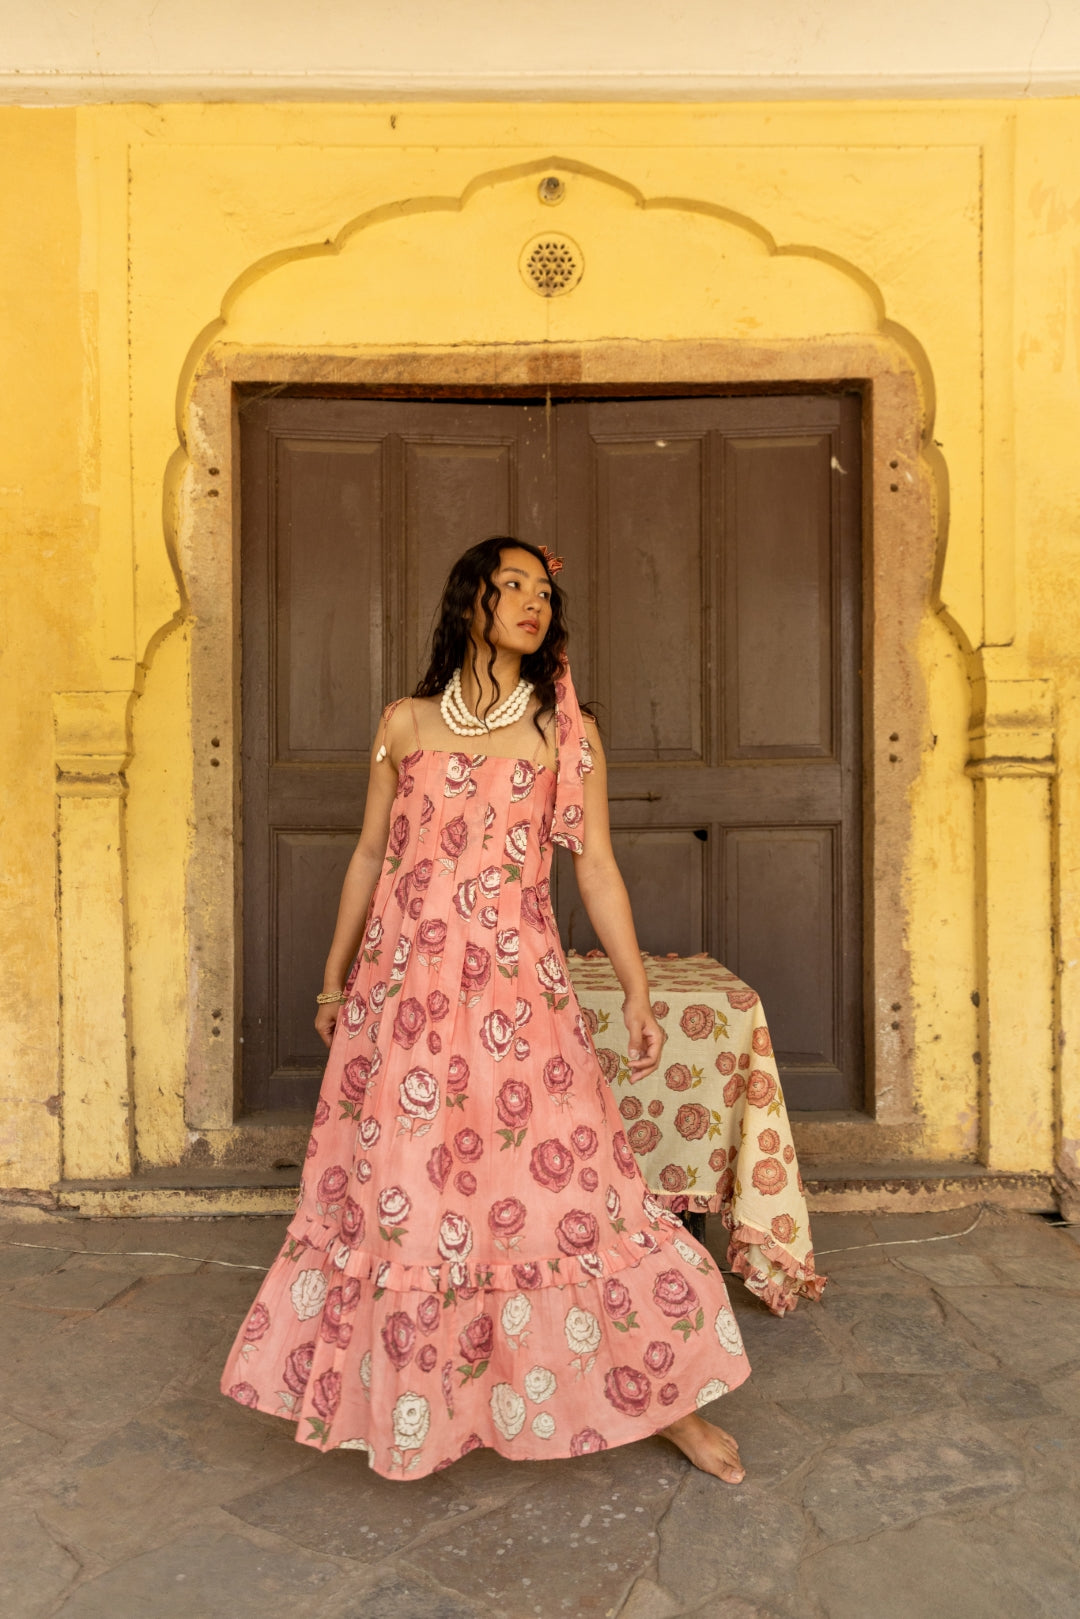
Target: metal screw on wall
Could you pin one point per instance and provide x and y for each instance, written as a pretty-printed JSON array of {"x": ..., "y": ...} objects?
[{"x": 551, "y": 189}]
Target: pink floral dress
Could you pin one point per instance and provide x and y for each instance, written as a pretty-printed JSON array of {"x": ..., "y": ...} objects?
[{"x": 475, "y": 1259}]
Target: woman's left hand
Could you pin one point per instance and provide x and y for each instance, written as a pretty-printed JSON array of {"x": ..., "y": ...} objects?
[{"x": 646, "y": 1039}]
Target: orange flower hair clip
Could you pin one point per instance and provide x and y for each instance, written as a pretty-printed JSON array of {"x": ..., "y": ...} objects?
[{"x": 552, "y": 563}]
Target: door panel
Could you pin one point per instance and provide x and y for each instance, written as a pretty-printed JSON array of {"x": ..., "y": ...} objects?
[{"x": 713, "y": 573}]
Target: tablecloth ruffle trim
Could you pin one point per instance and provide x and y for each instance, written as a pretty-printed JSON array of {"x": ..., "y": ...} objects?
[{"x": 624, "y": 1250}]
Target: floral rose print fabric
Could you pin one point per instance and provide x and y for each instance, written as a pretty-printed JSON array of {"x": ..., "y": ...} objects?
[
  {"x": 475, "y": 1259},
  {"x": 709, "y": 1127}
]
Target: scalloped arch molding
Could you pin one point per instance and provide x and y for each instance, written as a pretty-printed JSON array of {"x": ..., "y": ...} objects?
[{"x": 435, "y": 270}]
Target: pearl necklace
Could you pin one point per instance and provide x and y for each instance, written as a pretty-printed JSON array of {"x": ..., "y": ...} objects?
[{"x": 463, "y": 722}]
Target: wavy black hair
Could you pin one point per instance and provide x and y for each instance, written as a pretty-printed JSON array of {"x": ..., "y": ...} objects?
[{"x": 452, "y": 644}]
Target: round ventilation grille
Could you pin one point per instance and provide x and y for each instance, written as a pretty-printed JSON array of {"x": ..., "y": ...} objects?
[{"x": 552, "y": 265}]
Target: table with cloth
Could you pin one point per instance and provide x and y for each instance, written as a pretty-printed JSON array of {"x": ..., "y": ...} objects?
[{"x": 709, "y": 1126}]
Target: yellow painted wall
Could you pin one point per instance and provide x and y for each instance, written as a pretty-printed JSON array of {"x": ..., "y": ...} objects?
[{"x": 145, "y": 236}]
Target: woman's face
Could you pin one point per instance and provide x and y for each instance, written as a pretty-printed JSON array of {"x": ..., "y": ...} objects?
[{"x": 523, "y": 610}]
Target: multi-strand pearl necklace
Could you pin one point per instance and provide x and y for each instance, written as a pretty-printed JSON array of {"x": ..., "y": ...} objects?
[{"x": 463, "y": 722}]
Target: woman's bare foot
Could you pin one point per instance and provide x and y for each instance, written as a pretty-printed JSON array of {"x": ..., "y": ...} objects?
[{"x": 709, "y": 1448}]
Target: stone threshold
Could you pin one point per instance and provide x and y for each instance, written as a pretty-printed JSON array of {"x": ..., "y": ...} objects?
[{"x": 904, "y": 1187}]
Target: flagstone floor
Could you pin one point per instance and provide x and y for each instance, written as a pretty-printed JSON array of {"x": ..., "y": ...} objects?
[{"x": 912, "y": 1446}]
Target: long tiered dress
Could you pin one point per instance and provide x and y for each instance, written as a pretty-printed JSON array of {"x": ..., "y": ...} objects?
[{"x": 475, "y": 1258}]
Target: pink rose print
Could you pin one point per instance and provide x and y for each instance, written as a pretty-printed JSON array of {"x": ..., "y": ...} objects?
[
  {"x": 673, "y": 1293},
  {"x": 744, "y": 1059},
  {"x": 434, "y": 1042},
  {"x": 497, "y": 1034},
  {"x": 427, "y": 810},
  {"x": 717, "y": 1159},
  {"x": 506, "y": 1217},
  {"x": 521, "y": 782},
  {"x": 409, "y": 1023},
  {"x": 340, "y": 1302},
  {"x": 406, "y": 782},
  {"x": 326, "y": 1394},
  {"x": 697, "y": 1022},
  {"x": 355, "y": 1013},
  {"x": 416, "y": 907},
  {"x": 438, "y": 1005},
  {"x": 673, "y": 1178},
  {"x": 244, "y": 1394},
  {"x": 297, "y": 1368},
  {"x": 573, "y": 815},
  {"x": 373, "y": 934},
  {"x": 457, "y": 1074},
  {"x": 368, "y": 1133},
  {"x": 583, "y": 1140},
  {"x": 312, "y": 1147},
  {"x": 333, "y": 1185},
  {"x": 517, "y": 842},
  {"x": 617, "y": 1300},
  {"x": 477, "y": 1339},
  {"x": 592, "y": 1022},
  {"x": 522, "y": 1049},
  {"x": 760, "y": 1088},
  {"x": 768, "y": 1141},
  {"x": 581, "y": 1032},
  {"x": 726, "y": 1185},
  {"x": 531, "y": 913},
  {"x": 352, "y": 1224},
  {"x": 742, "y": 999},
  {"x": 394, "y": 1206},
  {"x": 418, "y": 1094},
  {"x": 630, "y": 1107},
  {"x": 529, "y": 1276},
  {"x": 725, "y": 1062},
  {"x": 258, "y": 1321},
  {"x": 658, "y": 1357},
  {"x": 474, "y": 1442},
  {"x": 475, "y": 969},
  {"x": 769, "y": 1176},
  {"x": 628, "y": 1390},
  {"x": 399, "y": 1338},
  {"x": 668, "y": 1394},
  {"x": 439, "y": 1166},
  {"x": 322, "y": 1112},
  {"x": 431, "y": 936},
  {"x": 587, "y": 1442},
  {"x": 692, "y": 1121},
  {"x": 551, "y": 1165},
  {"x": 656, "y": 1107},
  {"x": 612, "y": 1201},
  {"x": 465, "y": 897},
  {"x": 421, "y": 873},
  {"x": 558, "y": 1076},
  {"x": 761, "y": 1042},
  {"x": 514, "y": 1103},
  {"x": 455, "y": 1237},
  {"x": 429, "y": 1313},
  {"x": 643, "y": 1136},
  {"x": 465, "y": 1181},
  {"x": 577, "y": 1233},
  {"x": 427, "y": 1357},
  {"x": 782, "y": 1227},
  {"x": 734, "y": 1088},
  {"x": 789, "y": 1154},
  {"x": 490, "y": 882},
  {"x": 469, "y": 1145},
  {"x": 458, "y": 769},
  {"x": 609, "y": 1062},
  {"x": 401, "y": 892},
  {"x": 355, "y": 1078},
  {"x": 624, "y": 1158},
  {"x": 454, "y": 838},
  {"x": 549, "y": 971},
  {"x": 522, "y": 1013},
  {"x": 488, "y": 916},
  {"x": 660, "y": 1009},
  {"x": 588, "y": 1180},
  {"x": 506, "y": 947},
  {"x": 399, "y": 836},
  {"x": 678, "y": 1077}
]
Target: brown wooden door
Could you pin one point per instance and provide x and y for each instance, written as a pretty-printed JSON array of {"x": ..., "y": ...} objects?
[{"x": 712, "y": 551}]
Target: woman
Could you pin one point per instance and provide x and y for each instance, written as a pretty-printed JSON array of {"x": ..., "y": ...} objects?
[{"x": 475, "y": 1259}]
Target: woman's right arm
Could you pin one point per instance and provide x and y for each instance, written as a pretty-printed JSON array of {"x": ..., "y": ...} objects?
[{"x": 365, "y": 866}]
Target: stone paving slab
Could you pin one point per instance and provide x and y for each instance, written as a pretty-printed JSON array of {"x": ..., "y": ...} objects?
[{"x": 912, "y": 1445}]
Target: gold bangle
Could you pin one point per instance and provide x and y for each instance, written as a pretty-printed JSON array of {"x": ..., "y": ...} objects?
[{"x": 334, "y": 998}]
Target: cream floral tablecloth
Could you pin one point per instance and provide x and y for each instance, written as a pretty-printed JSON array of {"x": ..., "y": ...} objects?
[{"x": 709, "y": 1127}]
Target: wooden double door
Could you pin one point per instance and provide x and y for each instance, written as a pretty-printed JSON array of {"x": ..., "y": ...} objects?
[{"x": 712, "y": 550}]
